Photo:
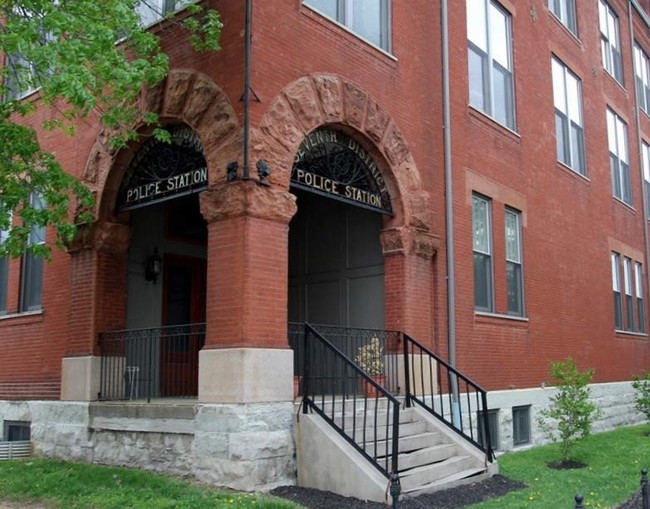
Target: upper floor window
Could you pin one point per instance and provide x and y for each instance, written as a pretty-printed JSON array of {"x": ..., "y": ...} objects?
[
  {"x": 642, "y": 77},
  {"x": 618, "y": 157},
  {"x": 482, "y": 242},
  {"x": 21, "y": 78},
  {"x": 610, "y": 45},
  {"x": 565, "y": 11},
  {"x": 627, "y": 283},
  {"x": 490, "y": 67},
  {"x": 369, "y": 19},
  {"x": 645, "y": 157},
  {"x": 4, "y": 274},
  {"x": 31, "y": 279},
  {"x": 569, "y": 132},
  {"x": 514, "y": 273},
  {"x": 638, "y": 278},
  {"x": 151, "y": 11},
  {"x": 616, "y": 287}
]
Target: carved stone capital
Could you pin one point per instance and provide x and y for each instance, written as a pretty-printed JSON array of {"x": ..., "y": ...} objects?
[
  {"x": 247, "y": 198},
  {"x": 103, "y": 237},
  {"x": 409, "y": 241}
]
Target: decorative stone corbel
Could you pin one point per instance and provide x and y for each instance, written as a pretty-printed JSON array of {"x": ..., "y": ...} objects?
[
  {"x": 409, "y": 241},
  {"x": 247, "y": 198},
  {"x": 103, "y": 237}
]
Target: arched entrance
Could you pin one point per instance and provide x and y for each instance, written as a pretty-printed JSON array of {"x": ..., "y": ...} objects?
[
  {"x": 166, "y": 283},
  {"x": 336, "y": 268}
]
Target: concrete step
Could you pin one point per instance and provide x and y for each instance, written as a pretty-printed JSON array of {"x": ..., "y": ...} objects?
[
  {"x": 381, "y": 433},
  {"x": 380, "y": 419},
  {"x": 427, "y": 474},
  {"x": 446, "y": 482},
  {"x": 426, "y": 456},
  {"x": 410, "y": 443}
]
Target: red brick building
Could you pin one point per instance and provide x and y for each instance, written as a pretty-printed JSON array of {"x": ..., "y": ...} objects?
[{"x": 531, "y": 141}]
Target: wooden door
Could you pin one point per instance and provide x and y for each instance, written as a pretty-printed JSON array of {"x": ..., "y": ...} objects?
[{"x": 184, "y": 290}]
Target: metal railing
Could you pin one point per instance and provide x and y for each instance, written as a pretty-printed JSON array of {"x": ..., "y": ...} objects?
[
  {"x": 447, "y": 394},
  {"x": 150, "y": 363},
  {"x": 359, "y": 408},
  {"x": 352, "y": 342}
]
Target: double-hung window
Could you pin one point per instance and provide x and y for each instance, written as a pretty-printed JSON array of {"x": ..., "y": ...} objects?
[
  {"x": 569, "y": 131},
  {"x": 627, "y": 281},
  {"x": 514, "y": 276},
  {"x": 645, "y": 158},
  {"x": 4, "y": 273},
  {"x": 370, "y": 19},
  {"x": 565, "y": 11},
  {"x": 610, "y": 45},
  {"x": 616, "y": 286},
  {"x": 638, "y": 279},
  {"x": 151, "y": 11},
  {"x": 481, "y": 225},
  {"x": 642, "y": 77},
  {"x": 31, "y": 280},
  {"x": 618, "y": 157},
  {"x": 490, "y": 65}
]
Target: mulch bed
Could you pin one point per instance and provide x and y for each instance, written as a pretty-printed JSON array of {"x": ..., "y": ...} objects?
[{"x": 453, "y": 498}]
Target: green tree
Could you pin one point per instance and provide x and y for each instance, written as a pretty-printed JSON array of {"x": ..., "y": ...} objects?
[
  {"x": 571, "y": 412},
  {"x": 89, "y": 60},
  {"x": 641, "y": 387}
]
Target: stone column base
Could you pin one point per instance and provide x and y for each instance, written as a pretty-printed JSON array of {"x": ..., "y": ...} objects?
[
  {"x": 245, "y": 375},
  {"x": 80, "y": 378}
]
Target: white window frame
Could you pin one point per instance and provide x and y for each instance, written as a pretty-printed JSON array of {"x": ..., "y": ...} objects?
[
  {"x": 490, "y": 65},
  {"x": 642, "y": 76},
  {"x": 627, "y": 286},
  {"x": 619, "y": 157},
  {"x": 514, "y": 264},
  {"x": 616, "y": 287},
  {"x": 565, "y": 11},
  {"x": 645, "y": 160},
  {"x": 640, "y": 306},
  {"x": 610, "y": 42},
  {"x": 345, "y": 16},
  {"x": 569, "y": 123},
  {"x": 32, "y": 265},
  {"x": 482, "y": 250}
]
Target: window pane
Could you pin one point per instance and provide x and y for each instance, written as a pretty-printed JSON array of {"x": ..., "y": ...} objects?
[
  {"x": 515, "y": 290},
  {"x": 328, "y": 7},
  {"x": 500, "y": 37},
  {"x": 478, "y": 71},
  {"x": 616, "y": 282},
  {"x": 578, "y": 149},
  {"x": 480, "y": 220},
  {"x": 503, "y": 104},
  {"x": 32, "y": 282},
  {"x": 477, "y": 23},
  {"x": 521, "y": 425},
  {"x": 512, "y": 237},
  {"x": 559, "y": 94},
  {"x": 4, "y": 276},
  {"x": 482, "y": 282},
  {"x": 561, "y": 135},
  {"x": 366, "y": 19}
]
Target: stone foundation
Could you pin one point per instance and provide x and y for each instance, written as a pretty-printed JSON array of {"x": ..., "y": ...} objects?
[
  {"x": 244, "y": 446},
  {"x": 241, "y": 446}
]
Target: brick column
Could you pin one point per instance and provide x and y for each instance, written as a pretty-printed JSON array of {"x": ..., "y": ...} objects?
[
  {"x": 409, "y": 291},
  {"x": 98, "y": 303},
  {"x": 246, "y": 357}
]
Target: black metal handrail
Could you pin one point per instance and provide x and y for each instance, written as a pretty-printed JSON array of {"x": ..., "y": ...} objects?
[
  {"x": 334, "y": 387},
  {"x": 447, "y": 394},
  {"x": 352, "y": 341},
  {"x": 150, "y": 363}
]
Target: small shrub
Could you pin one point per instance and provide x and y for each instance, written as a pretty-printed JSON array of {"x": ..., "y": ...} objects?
[
  {"x": 642, "y": 394},
  {"x": 571, "y": 413}
]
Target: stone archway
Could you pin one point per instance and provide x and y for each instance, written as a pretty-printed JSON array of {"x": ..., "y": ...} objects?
[{"x": 407, "y": 241}]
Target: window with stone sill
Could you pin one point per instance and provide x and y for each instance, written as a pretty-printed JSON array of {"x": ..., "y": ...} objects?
[
  {"x": 610, "y": 44},
  {"x": 370, "y": 19}
]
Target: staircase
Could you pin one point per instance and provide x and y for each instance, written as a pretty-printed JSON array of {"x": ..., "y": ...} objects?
[
  {"x": 412, "y": 429},
  {"x": 430, "y": 457}
]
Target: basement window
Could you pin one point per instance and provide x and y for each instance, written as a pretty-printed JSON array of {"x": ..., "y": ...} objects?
[
  {"x": 521, "y": 425},
  {"x": 16, "y": 431},
  {"x": 493, "y": 421}
]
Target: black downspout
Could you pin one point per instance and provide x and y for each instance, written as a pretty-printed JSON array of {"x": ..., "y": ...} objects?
[{"x": 247, "y": 85}]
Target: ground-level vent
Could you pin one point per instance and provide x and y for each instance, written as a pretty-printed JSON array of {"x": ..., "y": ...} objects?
[{"x": 15, "y": 450}]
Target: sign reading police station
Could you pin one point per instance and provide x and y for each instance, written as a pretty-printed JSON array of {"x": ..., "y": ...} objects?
[
  {"x": 332, "y": 164},
  {"x": 160, "y": 171}
]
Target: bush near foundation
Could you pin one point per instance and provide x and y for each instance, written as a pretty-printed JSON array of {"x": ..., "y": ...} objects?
[
  {"x": 641, "y": 386},
  {"x": 572, "y": 412}
]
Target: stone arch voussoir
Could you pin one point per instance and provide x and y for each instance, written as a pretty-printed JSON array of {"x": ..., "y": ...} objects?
[
  {"x": 323, "y": 99},
  {"x": 186, "y": 96}
]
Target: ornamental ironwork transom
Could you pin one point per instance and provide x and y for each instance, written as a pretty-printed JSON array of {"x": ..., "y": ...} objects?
[
  {"x": 161, "y": 171},
  {"x": 332, "y": 164}
]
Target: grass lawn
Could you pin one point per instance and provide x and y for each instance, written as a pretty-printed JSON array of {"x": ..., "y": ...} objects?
[
  {"x": 76, "y": 485},
  {"x": 614, "y": 462}
]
